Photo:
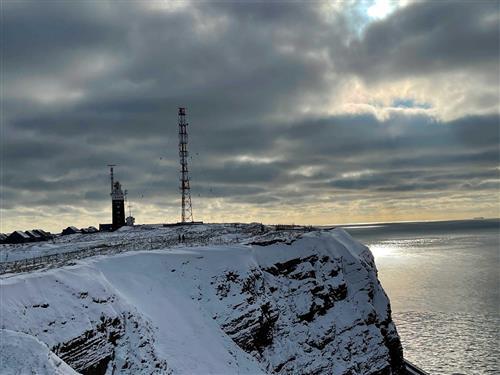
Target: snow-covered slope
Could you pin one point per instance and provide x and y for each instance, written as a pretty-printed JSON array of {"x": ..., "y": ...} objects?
[
  {"x": 280, "y": 303},
  {"x": 24, "y": 354}
]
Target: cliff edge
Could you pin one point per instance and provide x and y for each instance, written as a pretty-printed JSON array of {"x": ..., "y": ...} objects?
[{"x": 274, "y": 303}]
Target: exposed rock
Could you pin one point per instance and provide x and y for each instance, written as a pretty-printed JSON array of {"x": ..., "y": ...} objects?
[
  {"x": 89, "y": 330},
  {"x": 327, "y": 308}
]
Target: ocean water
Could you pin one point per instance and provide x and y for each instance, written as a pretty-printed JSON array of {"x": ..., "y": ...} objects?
[{"x": 443, "y": 282}]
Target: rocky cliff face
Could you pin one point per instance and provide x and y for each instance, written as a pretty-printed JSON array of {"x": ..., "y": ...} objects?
[
  {"x": 323, "y": 313},
  {"x": 79, "y": 317},
  {"x": 303, "y": 303}
]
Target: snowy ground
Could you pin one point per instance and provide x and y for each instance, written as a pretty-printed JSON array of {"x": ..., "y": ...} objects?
[
  {"x": 141, "y": 237},
  {"x": 24, "y": 354},
  {"x": 259, "y": 302}
]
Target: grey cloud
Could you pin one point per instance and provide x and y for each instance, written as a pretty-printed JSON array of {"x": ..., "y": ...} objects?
[
  {"x": 242, "y": 78},
  {"x": 42, "y": 37},
  {"x": 427, "y": 37},
  {"x": 418, "y": 180},
  {"x": 328, "y": 146},
  {"x": 404, "y": 139}
]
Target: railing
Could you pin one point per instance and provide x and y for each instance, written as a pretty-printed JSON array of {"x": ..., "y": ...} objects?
[
  {"x": 65, "y": 258},
  {"x": 153, "y": 243}
]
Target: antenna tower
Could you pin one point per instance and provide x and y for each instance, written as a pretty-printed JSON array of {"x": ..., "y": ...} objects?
[{"x": 186, "y": 207}]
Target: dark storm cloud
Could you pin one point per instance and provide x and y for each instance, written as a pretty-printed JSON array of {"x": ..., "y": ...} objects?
[
  {"x": 398, "y": 137},
  {"x": 90, "y": 83},
  {"x": 389, "y": 181},
  {"x": 427, "y": 37},
  {"x": 38, "y": 36}
]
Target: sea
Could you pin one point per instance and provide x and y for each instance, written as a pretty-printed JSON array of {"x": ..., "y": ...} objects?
[{"x": 443, "y": 282}]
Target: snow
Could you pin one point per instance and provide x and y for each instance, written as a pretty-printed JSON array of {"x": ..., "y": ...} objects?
[
  {"x": 193, "y": 306},
  {"x": 139, "y": 237},
  {"x": 24, "y": 354},
  {"x": 183, "y": 326}
]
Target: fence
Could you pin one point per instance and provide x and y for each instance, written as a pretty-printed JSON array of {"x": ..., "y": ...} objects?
[
  {"x": 65, "y": 258},
  {"x": 152, "y": 243}
]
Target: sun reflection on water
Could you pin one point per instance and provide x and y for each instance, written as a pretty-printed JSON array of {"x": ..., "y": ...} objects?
[
  {"x": 443, "y": 288},
  {"x": 383, "y": 250}
]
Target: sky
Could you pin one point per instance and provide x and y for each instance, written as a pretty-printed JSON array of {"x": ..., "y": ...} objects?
[{"x": 317, "y": 112}]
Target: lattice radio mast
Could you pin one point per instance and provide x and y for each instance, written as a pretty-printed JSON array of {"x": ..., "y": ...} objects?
[{"x": 186, "y": 207}]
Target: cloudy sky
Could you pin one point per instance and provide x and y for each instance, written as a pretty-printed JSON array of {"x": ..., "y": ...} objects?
[{"x": 314, "y": 112}]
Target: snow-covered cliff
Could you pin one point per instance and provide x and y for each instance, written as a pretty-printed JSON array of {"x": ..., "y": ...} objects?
[{"x": 308, "y": 303}]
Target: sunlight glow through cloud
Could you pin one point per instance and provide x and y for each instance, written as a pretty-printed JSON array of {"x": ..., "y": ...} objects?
[{"x": 381, "y": 8}]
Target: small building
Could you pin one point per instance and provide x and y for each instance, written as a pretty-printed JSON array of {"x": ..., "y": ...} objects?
[
  {"x": 34, "y": 236},
  {"x": 130, "y": 221},
  {"x": 89, "y": 230},
  {"x": 105, "y": 227},
  {"x": 45, "y": 235},
  {"x": 18, "y": 237},
  {"x": 70, "y": 230},
  {"x": 3, "y": 237}
]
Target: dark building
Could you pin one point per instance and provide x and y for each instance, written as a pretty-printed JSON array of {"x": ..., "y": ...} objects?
[
  {"x": 3, "y": 237},
  {"x": 89, "y": 230},
  {"x": 105, "y": 227},
  {"x": 34, "y": 236},
  {"x": 70, "y": 230},
  {"x": 18, "y": 237},
  {"x": 118, "y": 206},
  {"x": 45, "y": 235}
]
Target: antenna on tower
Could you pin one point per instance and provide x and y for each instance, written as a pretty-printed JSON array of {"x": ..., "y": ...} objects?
[
  {"x": 127, "y": 202},
  {"x": 129, "y": 220},
  {"x": 111, "y": 176},
  {"x": 186, "y": 207}
]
